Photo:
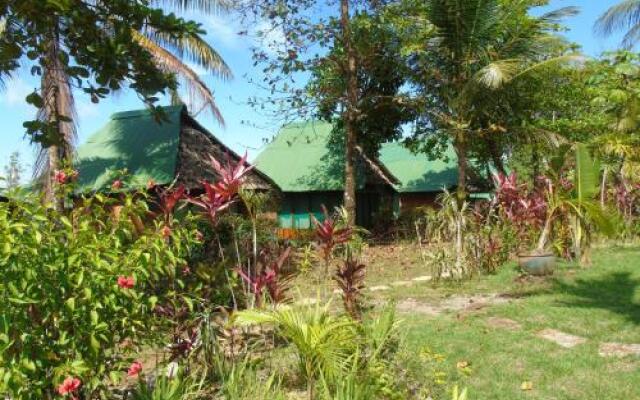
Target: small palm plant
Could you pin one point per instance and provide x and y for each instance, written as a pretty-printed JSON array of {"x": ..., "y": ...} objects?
[{"x": 323, "y": 341}]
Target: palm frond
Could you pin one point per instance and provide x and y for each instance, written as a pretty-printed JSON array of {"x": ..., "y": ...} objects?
[
  {"x": 631, "y": 37},
  {"x": 323, "y": 341},
  {"x": 496, "y": 74},
  {"x": 556, "y": 16},
  {"x": 625, "y": 15},
  {"x": 464, "y": 24},
  {"x": 194, "y": 49},
  {"x": 196, "y": 88},
  {"x": 206, "y": 6},
  {"x": 552, "y": 62}
]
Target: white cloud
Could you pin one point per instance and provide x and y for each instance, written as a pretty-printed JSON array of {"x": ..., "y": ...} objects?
[
  {"x": 15, "y": 93},
  {"x": 223, "y": 31}
]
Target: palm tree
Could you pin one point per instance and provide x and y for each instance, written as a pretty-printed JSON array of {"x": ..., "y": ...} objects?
[
  {"x": 475, "y": 47},
  {"x": 171, "y": 55},
  {"x": 622, "y": 16}
]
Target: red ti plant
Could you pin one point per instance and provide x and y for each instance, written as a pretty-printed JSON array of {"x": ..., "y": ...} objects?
[
  {"x": 271, "y": 278},
  {"x": 328, "y": 236},
  {"x": 168, "y": 199},
  {"x": 211, "y": 202},
  {"x": 350, "y": 279},
  {"x": 524, "y": 208},
  {"x": 231, "y": 177},
  {"x": 218, "y": 196}
]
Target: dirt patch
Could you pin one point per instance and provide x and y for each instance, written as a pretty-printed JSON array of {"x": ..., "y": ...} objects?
[
  {"x": 618, "y": 349},
  {"x": 503, "y": 323},
  {"x": 561, "y": 338},
  {"x": 414, "y": 306},
  {"x": 425, "y": 278},
  {"x": 379, "y": 288},
  {"x": 460, "y": 304},
  {"x": 401, "y": 283}
]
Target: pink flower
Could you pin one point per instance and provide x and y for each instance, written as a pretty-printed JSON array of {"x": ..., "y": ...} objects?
[
  {"x": 199, "y": 236},
  {"x": 60, "y": 177},
  {"x": 69, "y": 385},
  {"x": 117, "y": 184},
  {"x": 134, "y": 369},
  {"x": 126, "y": 282},
  {"x": 186, "y": 270},
  {"x": 166, "y": 231}
]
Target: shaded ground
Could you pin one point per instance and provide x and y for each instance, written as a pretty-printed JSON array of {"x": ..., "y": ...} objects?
[{"x": 575, "y": 335}]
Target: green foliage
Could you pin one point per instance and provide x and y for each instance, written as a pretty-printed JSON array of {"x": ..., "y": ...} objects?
[
  {"x": 164, "y": 389},
  {"x": 93, "y": 46},
  {"x": 82, "y": 288},
  {"x": 323, "y": 342}
]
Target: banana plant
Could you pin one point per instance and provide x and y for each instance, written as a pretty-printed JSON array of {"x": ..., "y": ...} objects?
[{"x": 578, "y": 202}]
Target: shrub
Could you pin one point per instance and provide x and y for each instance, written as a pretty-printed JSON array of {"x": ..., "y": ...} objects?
[{"x": 80, "y": 289}]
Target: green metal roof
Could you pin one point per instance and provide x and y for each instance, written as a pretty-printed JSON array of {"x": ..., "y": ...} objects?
[
  {"x": 134, "y": 140},
  {"x": 416, "y": 172},
  {"x": 300, "y": 159}
]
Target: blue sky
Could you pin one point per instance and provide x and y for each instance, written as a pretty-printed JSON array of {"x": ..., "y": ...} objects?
[{"x": 232, "y": 95}]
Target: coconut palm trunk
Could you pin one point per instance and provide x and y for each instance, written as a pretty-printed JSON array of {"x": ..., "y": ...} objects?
[
  {"x": 460, "y": 145},
  {"x": 58, "y": 110}
]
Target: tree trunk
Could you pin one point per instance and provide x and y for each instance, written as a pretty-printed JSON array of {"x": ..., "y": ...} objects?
[
  {"x": 461, "y": 152},
  {"x": 349, "y": 116},
  {"x": 57, "y": 109}
]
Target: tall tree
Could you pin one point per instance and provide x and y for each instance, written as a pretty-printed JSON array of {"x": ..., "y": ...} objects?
[
  {"x": 336, "y": 65},
  {"x": 350, "y": 114},
  {"x": 622, "y": 16},
  {"x": 462, "y": 52}
]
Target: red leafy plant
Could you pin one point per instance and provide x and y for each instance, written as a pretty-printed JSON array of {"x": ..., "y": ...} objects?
[
  {"x": 231, "y": 177},
  {"x": 270, "y": 277},
  {"x": 168, "y": 199},
  {"x": 525, "y": 208},
  {"x": 328, "y": 236},
  {"x": 350, "y": 279},
  {"x": 220, "y": 195}
]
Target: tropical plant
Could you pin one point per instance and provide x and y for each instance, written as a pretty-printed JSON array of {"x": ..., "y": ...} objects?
[
  {"x": 621, "y": 16},
  {"x": 458, "y": 51},
  {"x": 350, "y": 280},
  {"x": 328, "y": 236},
  {"x": 576, "y": 200},
  {"x": 165, "y": 388},
  {"x": 323, "y": 341},
  {"x": 270, "y": 276},
  {"x": 85, "y": 286}
]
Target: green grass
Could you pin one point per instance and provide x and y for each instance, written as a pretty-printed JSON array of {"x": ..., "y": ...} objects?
[{"x": 600, "y": 303}]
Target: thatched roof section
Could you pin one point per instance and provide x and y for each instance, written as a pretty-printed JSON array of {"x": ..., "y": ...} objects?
[{"x": 195, "y": 148}]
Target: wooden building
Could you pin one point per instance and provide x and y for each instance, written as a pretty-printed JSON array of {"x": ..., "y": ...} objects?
[{"x": 175, "y": 149}]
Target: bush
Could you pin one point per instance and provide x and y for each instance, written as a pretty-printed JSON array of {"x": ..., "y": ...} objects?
[{"x": 80, "y": 289}]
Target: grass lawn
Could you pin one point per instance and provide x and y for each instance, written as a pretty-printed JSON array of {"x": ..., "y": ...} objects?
[{"x": 600, "y": 304}]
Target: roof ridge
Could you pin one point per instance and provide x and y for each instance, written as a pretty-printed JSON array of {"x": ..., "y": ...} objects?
[{"x": 142, "y": 112}]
